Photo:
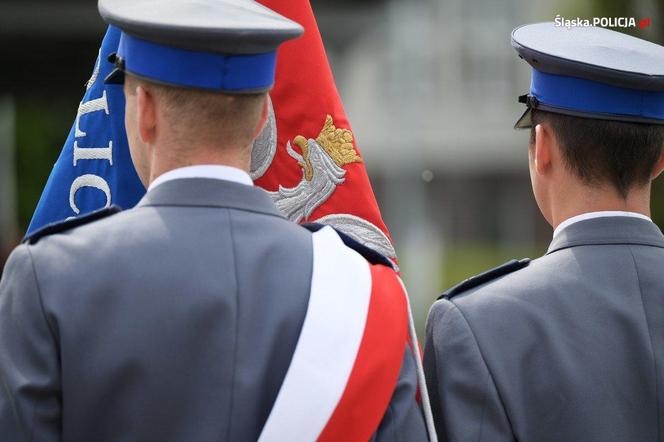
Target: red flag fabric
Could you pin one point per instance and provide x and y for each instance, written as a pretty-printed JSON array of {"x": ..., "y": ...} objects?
[{"x": 308, "y": 157}]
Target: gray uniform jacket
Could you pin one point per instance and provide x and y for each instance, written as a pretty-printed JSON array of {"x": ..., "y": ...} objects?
[
  {"x": 571, "y": 348},
  {"x": 173, "y": 321}
]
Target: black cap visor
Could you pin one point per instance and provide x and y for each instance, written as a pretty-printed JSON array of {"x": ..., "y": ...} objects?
[
  {"x": 117, "y": 76},
  {"x": 526, "y": 120}
]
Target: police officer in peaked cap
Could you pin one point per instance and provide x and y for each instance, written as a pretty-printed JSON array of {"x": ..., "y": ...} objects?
[
  {"x": 570, "y": 346},
  {"x": 183, "y": 319}
]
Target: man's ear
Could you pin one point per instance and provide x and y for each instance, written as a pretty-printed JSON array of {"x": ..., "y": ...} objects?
[
  {"x": 146, "y": 115},
  {"x": 659, "y": 167},
  {"x": 543, "y": 148}
]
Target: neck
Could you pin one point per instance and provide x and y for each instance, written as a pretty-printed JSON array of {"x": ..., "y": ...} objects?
[
  {"x": 586, "y": 200},
  {"x": 162, "y": 163}
]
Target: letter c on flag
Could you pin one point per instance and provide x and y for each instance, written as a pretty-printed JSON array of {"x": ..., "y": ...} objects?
[{"x": 94, "y": 181}]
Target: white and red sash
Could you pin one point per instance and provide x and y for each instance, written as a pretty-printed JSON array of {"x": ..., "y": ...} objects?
[{"x": 350, "y": 350}]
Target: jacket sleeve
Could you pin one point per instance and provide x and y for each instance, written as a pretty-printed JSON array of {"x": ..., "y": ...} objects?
[
  {"x": 403, "y": 420},
  {"x": 464, "y": 399},
  {"x": 29, "y": 369}
]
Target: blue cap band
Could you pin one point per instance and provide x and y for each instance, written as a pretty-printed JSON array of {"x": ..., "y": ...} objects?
[
  {"x": 200, "y": 70},
  {"x": 590, "y": 97}
]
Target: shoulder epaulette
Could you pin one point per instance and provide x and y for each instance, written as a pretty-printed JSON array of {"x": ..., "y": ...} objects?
[
  {"x": 63, "y": 226},
  {"x": 367, "y": 253},
  {"x": 490, "y": 275}
]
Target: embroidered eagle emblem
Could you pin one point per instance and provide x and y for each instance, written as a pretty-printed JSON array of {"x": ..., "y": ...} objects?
[
  {"x": 337, "y": 144},
  {"x": 322, "y": 162}
]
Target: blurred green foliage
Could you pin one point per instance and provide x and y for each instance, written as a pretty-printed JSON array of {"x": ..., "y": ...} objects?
[
  {"x": 472, "y": 259},
  {"x": 658, "y": 202},
  {"x": 41, "y": 130}
]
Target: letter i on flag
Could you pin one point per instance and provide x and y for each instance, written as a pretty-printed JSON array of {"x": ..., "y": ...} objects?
[
  {"x": 306, "y": 157},
  {"x": 94, "y": 169}
]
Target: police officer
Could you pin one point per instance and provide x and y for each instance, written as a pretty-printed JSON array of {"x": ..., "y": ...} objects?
[
  {"x": 569, "y": 347},
  {"x": 202, "y": 314}
]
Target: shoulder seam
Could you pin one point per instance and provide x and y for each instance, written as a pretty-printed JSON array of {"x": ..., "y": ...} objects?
[
  {"x": 41, "y": 308},
  {"x": 488, "y": 369},
  {"x": 433, "y": 326},
  {"x": 237, "y": 322},
  {"x": 39, "y": 294},
  {"x": 652, "y": 349}
]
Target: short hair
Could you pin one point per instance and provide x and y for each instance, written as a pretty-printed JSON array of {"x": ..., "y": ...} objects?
[
  {"x": 621, "y": 154},
  {"x": 213, "y": 117}
]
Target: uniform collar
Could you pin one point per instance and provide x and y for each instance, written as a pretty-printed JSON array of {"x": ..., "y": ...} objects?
[
  {"x": 609, "y": 229},
  {"x": 206, "y": 192},
  {"x": 593, "y": 215},
  {"x": 216, "y": 171}
]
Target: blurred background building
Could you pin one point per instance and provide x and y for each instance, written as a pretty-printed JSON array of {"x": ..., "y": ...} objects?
[{"x": 430, "y": 87}]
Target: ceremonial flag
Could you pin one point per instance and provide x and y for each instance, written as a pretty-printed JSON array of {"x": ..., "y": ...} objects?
[
  {"x": 315, "y": 171},
  {"x": 306, "y": 157},
  {"x": 94, "y": 169}
]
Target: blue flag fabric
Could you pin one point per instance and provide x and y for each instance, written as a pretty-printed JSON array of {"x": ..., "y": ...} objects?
[{"x": 94, "y": 169}]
